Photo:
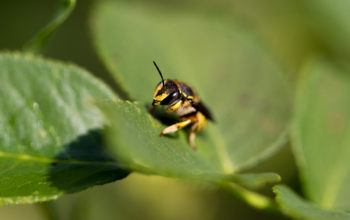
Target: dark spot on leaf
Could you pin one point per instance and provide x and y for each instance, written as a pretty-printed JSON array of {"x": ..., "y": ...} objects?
[
  {"x": 264, "y": 107},
  {"x": 54, "y": 164},
  {"x": 245, "y": 99},
  {"x": 270, "y": 126},
  {"x": 336, "y": 122},
  {"x": 115, "y": 56}
]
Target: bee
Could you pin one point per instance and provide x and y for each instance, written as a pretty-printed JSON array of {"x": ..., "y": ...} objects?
[{"x": 183, "y": 101}]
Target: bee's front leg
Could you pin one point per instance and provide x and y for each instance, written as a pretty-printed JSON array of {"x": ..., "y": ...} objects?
[
  {"x": 151, "y": 108},
  {"x": 175, "y": 127},
  {"x": 192, "y": 136}
]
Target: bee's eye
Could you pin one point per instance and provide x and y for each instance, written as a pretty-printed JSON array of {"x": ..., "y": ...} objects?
[
  {"x": 171, "y": 98},
  {"x": 174, "y": 94}
]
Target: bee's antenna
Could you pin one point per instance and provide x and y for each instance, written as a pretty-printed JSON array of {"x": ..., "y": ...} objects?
[{"x": 160, "y": 73}]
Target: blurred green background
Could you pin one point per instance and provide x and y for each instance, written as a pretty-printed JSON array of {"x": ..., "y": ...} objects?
[{"x": 287, "y": 27}]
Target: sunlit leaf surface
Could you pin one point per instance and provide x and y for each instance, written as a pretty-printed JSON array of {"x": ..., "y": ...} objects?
[{"x": 49, "y": 130}]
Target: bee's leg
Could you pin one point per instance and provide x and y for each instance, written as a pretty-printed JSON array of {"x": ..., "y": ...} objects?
[
  {"x": 151, "y": 108},
  {"x": 175, "y": 127},
  {"x": 192, "y": 136}
]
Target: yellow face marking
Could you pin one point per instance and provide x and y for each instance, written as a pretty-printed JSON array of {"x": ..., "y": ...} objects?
[
  {"x": 159, "y": 87},
  {"x": 160, "y": 98}
]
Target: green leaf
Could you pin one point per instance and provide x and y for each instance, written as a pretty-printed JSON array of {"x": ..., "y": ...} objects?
[
  {"x": 49, "y": 130},
  {"x": 298, "y": 208},
  {"x": 142, "y": 150},
  {"x": 39, "y": 42},
  {"x": 238, "y": 81},
  {"x": 321, "y": 134}
]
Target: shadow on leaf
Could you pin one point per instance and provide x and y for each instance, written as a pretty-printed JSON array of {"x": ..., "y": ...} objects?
[{"x": 84, "y": 163}]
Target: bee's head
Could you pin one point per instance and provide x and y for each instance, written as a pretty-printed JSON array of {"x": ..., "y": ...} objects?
[{"x": 167, "y": 92}]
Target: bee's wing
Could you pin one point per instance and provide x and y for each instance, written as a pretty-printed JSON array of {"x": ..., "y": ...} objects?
[{"x": 202, "y": 108}]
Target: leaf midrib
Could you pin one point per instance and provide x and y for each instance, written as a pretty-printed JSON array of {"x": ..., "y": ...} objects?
[
  {"x": 338, "y": 175},
  {"x": 27, "y": 157},
  {"x": 226, "y": 163}
]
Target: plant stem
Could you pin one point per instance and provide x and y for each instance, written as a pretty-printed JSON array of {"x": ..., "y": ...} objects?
[
  {"x": 48, "y": 210},
  {"x": 38, "y": 43},
  {"x": 254, "y": 199}
]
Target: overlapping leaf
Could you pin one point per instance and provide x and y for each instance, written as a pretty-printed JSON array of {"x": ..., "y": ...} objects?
[
  {"x": 49, "y": 130},
  {"x": 322, "y": 134},
  {"x": 299, "y": 208},
  {"x": 321, "y": 144}
]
